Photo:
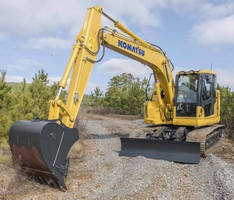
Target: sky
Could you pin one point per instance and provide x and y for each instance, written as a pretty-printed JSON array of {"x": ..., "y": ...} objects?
[{"x": 196, "y": 34}]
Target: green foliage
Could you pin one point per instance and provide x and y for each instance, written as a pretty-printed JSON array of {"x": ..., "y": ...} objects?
[
  {"x": 5, "y": 106},
  {"x": 119, "y": 81},
  {"x": 24, "y": 101},
  {"x": 227, "y": 108},
  {"x": 96, "y": 98},
  {"x": 125, "y": 95},
  {"x": 40, "y": 95},
  {"x": 4, "y": 89},
  {"x": 136, "y": 98}
]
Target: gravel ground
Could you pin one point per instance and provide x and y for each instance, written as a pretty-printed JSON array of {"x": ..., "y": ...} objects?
[{"x": 102, "y": 174}]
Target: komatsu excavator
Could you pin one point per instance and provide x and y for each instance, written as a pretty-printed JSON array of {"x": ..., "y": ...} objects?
[{"x": 185, "y": 113}]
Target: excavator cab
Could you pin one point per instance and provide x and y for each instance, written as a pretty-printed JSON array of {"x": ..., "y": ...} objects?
[{"x": 196, "y": 98}]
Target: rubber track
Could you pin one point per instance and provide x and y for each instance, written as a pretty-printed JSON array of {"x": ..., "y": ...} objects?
[{"x": 201, "y": 135}]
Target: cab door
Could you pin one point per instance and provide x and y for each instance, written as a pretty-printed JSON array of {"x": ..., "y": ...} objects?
[{"x": 207, "y": 93}]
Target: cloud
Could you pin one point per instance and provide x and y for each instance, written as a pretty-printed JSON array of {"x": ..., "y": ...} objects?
[
  {"x": 201, "y": 9},
  {"x": 140, "y": 13},
  {"x": 2, "y": 37},
  {"x": 18, "y": 79},
  {"x": 116, "y": 66},
  {"x": 53, "y": 79},
  {"x": 46, "y": 17},
  {"x": 65, "y": 18},
  {"x": 212, "y": 21},
  {"x": 225, "y": 77},
  {"x": 12, "y": 67},
  {"x": 48, "y": 42},
  {"x": 215, "y": 31},
  {"x": 214, "y": 10},
  {"x": 28, "y": 17},
  {"x": 22, "y": 65},
  {"x": 30, "y": 62},
  {"x": 91, "y": 86},
  {"x": 15, "y": 79}
]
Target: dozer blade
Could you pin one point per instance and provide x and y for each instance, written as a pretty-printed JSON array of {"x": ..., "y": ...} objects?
[
  {"x": 41, "y": 148},
  {"x": 178, "y": 151}
]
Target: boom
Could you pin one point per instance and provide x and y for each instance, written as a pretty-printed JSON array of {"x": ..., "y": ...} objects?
[{"x": 84, "y": 55}]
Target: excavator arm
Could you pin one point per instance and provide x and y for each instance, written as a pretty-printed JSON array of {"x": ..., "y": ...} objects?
[{"x": 84, "y": 55}]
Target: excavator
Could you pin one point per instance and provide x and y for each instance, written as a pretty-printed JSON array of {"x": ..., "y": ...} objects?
[{"x": 184, "y": 113}]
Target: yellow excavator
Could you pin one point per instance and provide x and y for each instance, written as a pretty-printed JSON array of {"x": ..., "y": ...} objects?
[{"x": 185, "y": 112}]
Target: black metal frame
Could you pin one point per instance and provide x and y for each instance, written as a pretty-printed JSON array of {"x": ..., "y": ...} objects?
[
  {"x": 212, "y": 99},
  {"x": 176, "y": 94}
]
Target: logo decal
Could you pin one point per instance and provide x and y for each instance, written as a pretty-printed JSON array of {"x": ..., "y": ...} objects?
[{"x": 131, "y": 48}]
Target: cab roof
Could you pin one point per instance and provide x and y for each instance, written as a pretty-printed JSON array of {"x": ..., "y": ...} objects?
[{"x": 196, "y": 72}]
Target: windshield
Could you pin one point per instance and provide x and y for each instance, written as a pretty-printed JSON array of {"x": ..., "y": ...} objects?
[{"x": 187, "y": 88}]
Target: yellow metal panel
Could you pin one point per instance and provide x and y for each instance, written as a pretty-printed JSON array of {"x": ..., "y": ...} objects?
[
  {"x": 206, "y": 72},
  {"x": 152, "y": 114},
  {"x": 81, "y": 69}
]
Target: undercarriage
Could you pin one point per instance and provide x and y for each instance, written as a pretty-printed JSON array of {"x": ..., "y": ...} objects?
[{"x": 174, "y": 143}]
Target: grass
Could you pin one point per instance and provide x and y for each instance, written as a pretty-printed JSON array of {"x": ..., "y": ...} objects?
[{"x": 5, "y": 154}]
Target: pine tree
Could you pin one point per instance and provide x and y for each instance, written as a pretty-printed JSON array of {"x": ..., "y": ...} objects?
[
  {"x": 227, "y": 109},
  {"x": 125, "y": 94},
  {"x": 5, "y": 107},
  {"x": 40, "y": 95},
  {"x": 97, "y": 99}
]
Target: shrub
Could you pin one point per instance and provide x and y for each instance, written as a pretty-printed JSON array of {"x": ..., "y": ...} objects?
[
  {"x": 227, "y": 109},
  {"x": 24, "y": 101}
]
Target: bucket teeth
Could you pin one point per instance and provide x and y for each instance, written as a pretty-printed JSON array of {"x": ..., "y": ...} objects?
[
  {"x": 38, "y": 179},
  {"x": 50, "y": 182},
  {"x": 54, "y": 183},
  {"x": 45, "y": 181},
  {"x": 41, "y": 180},
  {"x": 30, "y": 177}
]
